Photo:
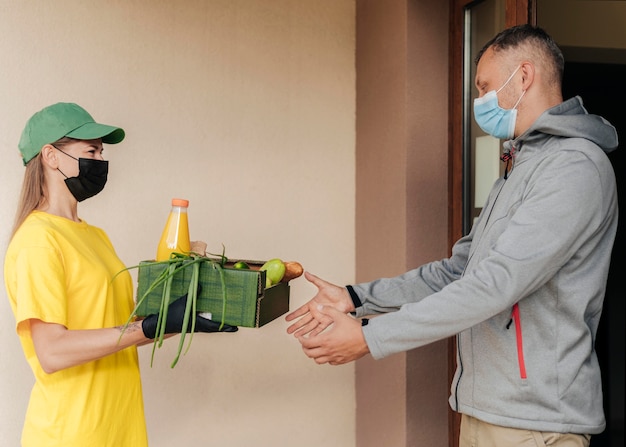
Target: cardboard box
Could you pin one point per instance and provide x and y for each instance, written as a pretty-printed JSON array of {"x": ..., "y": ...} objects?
[{"x": 248, "y": 302}]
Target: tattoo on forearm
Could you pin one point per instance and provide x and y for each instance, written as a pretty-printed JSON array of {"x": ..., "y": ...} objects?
[{"x": 132, "y": 327}]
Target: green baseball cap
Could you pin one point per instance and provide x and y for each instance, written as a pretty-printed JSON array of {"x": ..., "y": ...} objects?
[{"x": 63, "y": 120}]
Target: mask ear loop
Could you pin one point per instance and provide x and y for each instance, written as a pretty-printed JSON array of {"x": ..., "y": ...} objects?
[
  {"x": 509, "y": 79},
  {"x": 508, "y": 160},
  {"x": 520, "y": 98},
  {"x": 62, "y": 173}
]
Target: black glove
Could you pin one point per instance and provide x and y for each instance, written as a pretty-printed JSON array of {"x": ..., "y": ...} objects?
[{"x": 174, "y": 323}]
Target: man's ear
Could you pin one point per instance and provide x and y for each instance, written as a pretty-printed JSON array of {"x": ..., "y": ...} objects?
[
  {"x": 528, "y": 74},
  {"x": 49, "y": 156}
]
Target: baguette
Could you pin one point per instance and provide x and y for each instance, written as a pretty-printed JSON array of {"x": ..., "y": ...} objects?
[{"x": 292, "y": 271}]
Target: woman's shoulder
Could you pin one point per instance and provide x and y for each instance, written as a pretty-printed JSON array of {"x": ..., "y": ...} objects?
[{"x": 41, "y": 228}]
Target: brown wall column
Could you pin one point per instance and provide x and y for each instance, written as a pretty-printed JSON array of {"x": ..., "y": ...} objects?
[{"x": 402, "y": 200}]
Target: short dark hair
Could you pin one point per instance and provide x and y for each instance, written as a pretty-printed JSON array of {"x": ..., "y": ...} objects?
[{"x": 538, "y": 38}]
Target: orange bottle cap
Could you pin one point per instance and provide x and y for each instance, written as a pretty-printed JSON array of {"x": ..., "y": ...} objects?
[{"x": 180, "y": 202}]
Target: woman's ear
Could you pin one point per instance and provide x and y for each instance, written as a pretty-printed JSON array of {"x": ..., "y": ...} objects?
[{"x": 49, "y": 156}]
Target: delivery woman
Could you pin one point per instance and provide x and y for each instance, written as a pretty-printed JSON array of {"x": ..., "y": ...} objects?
[{"x": 69, "y": 313}]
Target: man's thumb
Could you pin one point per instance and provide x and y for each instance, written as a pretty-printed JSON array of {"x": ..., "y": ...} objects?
[{"x": 329, "y": 311}]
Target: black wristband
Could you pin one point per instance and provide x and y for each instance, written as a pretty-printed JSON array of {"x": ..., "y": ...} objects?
[{"x": 355, "y": 298}]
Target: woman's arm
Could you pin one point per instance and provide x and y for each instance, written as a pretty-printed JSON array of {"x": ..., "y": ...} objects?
[{"x": 58, "y": 348}]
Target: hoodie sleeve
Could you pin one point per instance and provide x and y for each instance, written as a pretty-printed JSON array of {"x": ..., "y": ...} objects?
[
  {"x": 558, "y": 213},
  {"x": 389, "y": 294}
]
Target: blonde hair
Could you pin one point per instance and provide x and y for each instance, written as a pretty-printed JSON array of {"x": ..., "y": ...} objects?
[{"x": 33, "y": 194}]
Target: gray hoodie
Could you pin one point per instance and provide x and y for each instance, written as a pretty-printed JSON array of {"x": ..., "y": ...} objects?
[{"x": 524, "y": 290}]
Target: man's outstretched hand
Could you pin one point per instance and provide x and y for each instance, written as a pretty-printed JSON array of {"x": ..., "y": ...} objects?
[
  {"x": 327, "y": 295},
  {"x": 343, "y": 342}
]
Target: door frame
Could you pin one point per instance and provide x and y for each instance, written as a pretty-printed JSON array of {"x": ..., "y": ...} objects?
[{"x": 517, "y": 12}]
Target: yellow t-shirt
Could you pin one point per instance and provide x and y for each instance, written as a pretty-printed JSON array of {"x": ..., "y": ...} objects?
[{"x": 60, "y": 271}]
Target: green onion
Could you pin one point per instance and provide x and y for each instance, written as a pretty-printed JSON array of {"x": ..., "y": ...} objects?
[
  {"x": 192, "y": 296},
  {"x": 173, "y": 265}
]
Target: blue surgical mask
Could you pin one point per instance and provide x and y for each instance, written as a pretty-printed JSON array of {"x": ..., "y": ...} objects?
[{"x": 492, "y": 118}]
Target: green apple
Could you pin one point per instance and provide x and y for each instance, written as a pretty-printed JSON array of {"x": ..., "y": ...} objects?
[
  {"x": 241, "y": 265},
  {"x": 274, "y": 270}
]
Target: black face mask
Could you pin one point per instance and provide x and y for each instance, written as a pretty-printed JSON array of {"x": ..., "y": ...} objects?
[{"x": 92, "y": 176}]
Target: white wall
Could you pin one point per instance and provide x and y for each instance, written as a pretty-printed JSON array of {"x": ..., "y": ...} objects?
[{"x": 244, "y": 107}]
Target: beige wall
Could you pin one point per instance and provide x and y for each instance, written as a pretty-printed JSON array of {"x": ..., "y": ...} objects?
[
  {"x": 246, "y": 108},
  {"x": 402, "y": 198}
]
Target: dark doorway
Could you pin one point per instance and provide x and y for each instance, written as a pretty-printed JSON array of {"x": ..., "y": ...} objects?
[{"x": 603, "y": 91}]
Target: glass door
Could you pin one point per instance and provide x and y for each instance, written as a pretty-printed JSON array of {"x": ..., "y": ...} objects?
[
  {"x": 591, "y": 35},
  {"x": 481, "y": 164},
  {"x": 474, "y": 157}
]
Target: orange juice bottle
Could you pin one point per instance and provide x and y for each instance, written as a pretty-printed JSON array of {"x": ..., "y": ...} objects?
[{"x": 175, "y": 237}]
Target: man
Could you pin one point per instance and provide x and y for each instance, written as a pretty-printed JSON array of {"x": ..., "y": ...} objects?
[{"x": 523, "y": 291}]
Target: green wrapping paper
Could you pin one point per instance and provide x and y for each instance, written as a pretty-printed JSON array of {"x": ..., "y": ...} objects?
[{"x": 247, "y": 302}]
